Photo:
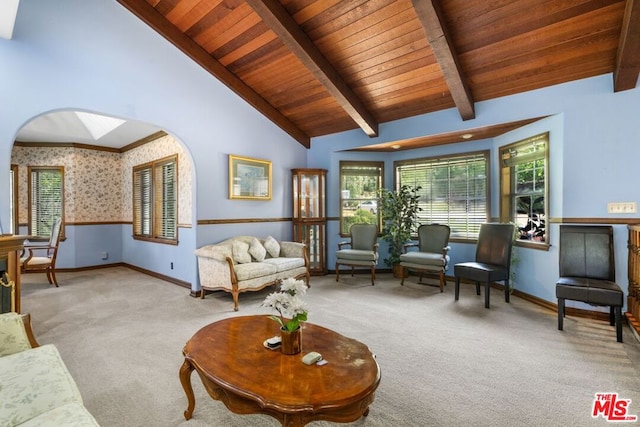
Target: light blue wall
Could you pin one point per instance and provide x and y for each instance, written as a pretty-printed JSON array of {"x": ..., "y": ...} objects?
[
  {"x": 87, "y": 243},
  {"x": 594, "y": 152},
  {"x": 95, "y": 55},
  {"x": 158, "y": 258},
  {"x": 536, "y": 271},
  {"x": 83, "y": 246}
]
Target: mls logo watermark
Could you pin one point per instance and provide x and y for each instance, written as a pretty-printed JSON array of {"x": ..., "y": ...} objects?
[{"x": 611, "y": 408}]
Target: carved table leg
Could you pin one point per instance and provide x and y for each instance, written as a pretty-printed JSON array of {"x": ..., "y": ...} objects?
[
  {"x": 185, "y": 379},
  {"x": 292, "y": 420}
]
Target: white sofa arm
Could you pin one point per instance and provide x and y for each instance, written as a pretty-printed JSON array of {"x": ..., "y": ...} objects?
[
  {"x": 216, "y": 252},
  {"x": 292, "y": 249},
  {"x": 13, "y": 334},
  {"x": 214, "y": 268}
]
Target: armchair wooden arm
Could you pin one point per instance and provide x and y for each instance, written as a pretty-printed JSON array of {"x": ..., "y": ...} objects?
[
  {"x": 26, "y": 319},
  {"x": 342, "y": 244},
  {"x": 32, "y": 249},
  {"x": 406, "y": 246}
]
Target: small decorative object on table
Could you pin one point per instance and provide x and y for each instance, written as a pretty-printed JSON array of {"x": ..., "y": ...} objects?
[{"x": 292, "y": 310}]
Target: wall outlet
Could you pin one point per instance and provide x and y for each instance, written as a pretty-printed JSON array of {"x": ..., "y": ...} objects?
[
  {"x": 172, "y": 266},
  {"x": 104, "y": 255},
  {"x": 622, "y": 207}
]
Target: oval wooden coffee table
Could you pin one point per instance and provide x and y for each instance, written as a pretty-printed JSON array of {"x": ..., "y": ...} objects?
[{"x": 248, "y": 378}]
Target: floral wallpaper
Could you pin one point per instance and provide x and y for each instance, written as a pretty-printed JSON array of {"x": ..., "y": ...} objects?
[
  {"x": 158, "y": 149},
  {"x": 97, "y": 184}
]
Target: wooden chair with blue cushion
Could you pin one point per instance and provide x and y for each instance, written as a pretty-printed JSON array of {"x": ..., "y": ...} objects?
[
  {"x": 432, "y": 254},
  {"x": 587, "y": 271},
  {"x": 363, "y": 250}
]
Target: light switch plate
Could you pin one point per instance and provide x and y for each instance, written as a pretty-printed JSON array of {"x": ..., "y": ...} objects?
[{"x": 622, "y": 207}]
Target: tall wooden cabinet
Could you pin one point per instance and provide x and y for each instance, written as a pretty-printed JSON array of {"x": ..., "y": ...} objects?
[
  {"x": 310, "y": 215},
  {"x": 633, "y": 298}
]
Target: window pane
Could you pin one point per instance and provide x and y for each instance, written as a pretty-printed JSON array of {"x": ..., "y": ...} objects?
[
  {"x": 142, "y": 202},
  {"x": 46, "y": 198},
  {"x": 155, "y": 200},
  {"x": 13, "y": 197},
  {"x": 524, "y": 175},
  {"x": 359, "y": 186},
  {"x": 166, "y": 212},
  {"x": 454, "y": 191}
]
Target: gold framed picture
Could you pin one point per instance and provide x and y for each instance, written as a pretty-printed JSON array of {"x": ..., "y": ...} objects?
[{"x": 249, "y": 178}]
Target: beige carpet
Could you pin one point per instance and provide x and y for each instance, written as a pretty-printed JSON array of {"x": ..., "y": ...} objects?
[{"x": 443, "y": 363}]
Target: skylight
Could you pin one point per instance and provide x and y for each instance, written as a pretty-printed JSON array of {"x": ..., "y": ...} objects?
[
  {"x": 98, "y": 125},
  {"x": 8, "y": 12}
]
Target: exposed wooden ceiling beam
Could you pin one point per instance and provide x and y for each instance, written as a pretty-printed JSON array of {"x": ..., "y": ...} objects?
[
  {"x": 159, "y": 23},
  {"x": 432, "y": 20},
  {"x": 625, "y": 74},
  {"x": 281, "y": 23}
]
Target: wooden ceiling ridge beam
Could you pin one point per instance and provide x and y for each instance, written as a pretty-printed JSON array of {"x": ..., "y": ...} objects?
[
  {"x": 148, "y": 14},
  {"x": 432, "y": 19},
  {"x": 627, "y": 68},
  {"x": 296, "y": 40}
]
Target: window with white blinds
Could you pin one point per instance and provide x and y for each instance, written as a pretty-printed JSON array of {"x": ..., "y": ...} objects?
[
  {"x": 13, "y": 199},
  {"x": 46, "y": 199},
  {"x": 142, "y": 201},
  {"x": 454, "y": 190},
  {"x": 155, "y": 200}
]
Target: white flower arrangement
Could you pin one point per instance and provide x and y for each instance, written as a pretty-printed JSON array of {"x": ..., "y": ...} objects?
[{"x": 288, "y": 303}]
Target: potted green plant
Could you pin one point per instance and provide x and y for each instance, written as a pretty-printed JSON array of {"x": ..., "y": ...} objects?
[{"x": 399, "y": 210}]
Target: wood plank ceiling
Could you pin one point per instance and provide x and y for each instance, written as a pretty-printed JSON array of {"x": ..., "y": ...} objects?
[{"x": 316, "y": 67}]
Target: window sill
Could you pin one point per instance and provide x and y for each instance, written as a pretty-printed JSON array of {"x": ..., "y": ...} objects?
[
  {"x": 531, "y": 245},
  {"x": 463, "y": 240},
  {"x": 155, "y": 240},
  {"x": 519, "y": 243}
]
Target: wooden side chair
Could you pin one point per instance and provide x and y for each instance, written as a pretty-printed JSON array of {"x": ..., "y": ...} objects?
[
  {"x": 432, "y": 253},
  {"x": 42, "y": 258},
  {"x": 363, "y": 250}
]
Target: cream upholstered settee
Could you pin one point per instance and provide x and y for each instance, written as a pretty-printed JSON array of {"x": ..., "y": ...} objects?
[
  {"x": 246, "y": 263},
  {"x": 36, "y": 389}
]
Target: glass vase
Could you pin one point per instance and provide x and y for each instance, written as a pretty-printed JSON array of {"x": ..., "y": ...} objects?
[{"x": 291, "y": 341}]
